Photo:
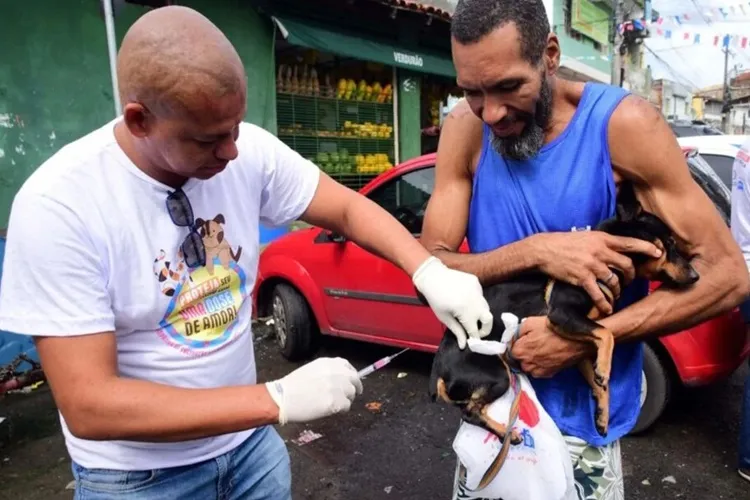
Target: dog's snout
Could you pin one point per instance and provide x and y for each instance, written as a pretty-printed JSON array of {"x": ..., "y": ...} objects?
[{"x": 692, "y": 276}]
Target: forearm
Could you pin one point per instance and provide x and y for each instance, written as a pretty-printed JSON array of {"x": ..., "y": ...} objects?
[
  {"x": 378, "y": 232},
  {"x": 496, "y": 265},
  {"x": 720, "y": 288},
  {"x": 127, "y": 409}
]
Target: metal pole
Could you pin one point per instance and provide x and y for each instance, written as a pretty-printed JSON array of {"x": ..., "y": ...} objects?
[
  {"x": 109, "y": 22},
  {"x": 725, "y": 97},
  {"x": 616, "y": 40}
]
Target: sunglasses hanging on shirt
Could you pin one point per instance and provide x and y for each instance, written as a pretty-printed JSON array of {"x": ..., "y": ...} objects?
[{"x": 181, "y": 213}]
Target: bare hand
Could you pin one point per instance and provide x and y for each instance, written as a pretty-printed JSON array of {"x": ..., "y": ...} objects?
[
  {"x": 583, "y": 257},
  {"x": 541, "y": 352}
]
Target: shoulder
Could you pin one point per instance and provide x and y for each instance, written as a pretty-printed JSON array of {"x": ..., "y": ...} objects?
[
  {"x": 461, "y": 121},
  {"x": 641, "y": 143},
  {"x": 75, "y": 169},
  {"x": 461, "y": 139},
  {"x": 634, "y": 116}
]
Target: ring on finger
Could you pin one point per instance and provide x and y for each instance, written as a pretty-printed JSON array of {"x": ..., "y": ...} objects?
[{"x": 608, "y": 279}]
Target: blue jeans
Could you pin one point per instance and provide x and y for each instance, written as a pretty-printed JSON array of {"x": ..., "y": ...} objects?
[
  {"x": 257, "y": 469},
  {"x": 744, "y": 437}
]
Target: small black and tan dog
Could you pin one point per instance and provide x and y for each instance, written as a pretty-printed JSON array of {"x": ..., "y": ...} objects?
[{"x": 472, "y": 381}]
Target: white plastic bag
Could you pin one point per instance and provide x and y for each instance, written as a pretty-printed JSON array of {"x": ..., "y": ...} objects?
[{"x": 539, "y": 468}]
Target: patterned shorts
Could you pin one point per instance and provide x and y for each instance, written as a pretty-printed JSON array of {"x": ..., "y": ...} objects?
[{"x": 597, "y": 472}]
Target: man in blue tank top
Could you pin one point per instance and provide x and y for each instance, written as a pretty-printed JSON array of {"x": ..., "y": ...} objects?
[{"x": 529, "y": 161}]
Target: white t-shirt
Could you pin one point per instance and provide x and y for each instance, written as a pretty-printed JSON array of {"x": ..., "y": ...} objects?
[
  {"x": 91, "y": 248},
  {"x": 740, "y": 221}
]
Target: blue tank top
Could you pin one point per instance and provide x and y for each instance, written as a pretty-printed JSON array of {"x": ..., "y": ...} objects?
[{"x": 568, "y": 186}]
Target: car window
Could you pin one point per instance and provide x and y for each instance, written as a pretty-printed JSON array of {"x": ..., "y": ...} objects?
[
  {"x": 722, "y": 165},
  {"x": 712, "y": 185},
  {"x": 406, "y": 197}
]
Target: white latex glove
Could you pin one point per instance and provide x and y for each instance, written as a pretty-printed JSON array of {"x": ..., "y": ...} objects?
[
  {"x": 456, "y": 299},
  {"x": 315, "y": 390}
]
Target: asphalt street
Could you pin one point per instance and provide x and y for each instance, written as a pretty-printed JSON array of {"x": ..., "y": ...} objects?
[{"x": 396, "y": 444}]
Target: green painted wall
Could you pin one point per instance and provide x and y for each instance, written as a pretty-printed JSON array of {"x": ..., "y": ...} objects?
[
  {"x": 253, "y": 37},
  {"x": 581, "y": 50},
  {"x": 409, "y": 119},
  {"x": 55, "y": 81}
]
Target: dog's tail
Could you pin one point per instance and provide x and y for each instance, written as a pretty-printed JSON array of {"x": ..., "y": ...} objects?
[{"x": 235, "y": 257}]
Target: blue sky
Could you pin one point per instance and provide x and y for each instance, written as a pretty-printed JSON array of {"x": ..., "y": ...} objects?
[{"x": 698, "y": 64}]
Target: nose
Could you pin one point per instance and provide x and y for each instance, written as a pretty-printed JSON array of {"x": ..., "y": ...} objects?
[
  {"x": 227, "y": 149},
  {"x": 493, "y": 112},
  {"x": 692, "y": 276}
]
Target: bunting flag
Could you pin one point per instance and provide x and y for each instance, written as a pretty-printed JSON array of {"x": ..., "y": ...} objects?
[
  {"x": 735, "y": 11},
  {"x": 725, "y": 40}
]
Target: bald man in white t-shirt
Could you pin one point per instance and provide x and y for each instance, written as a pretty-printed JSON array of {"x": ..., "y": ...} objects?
[{"x": 151, "y": 364}]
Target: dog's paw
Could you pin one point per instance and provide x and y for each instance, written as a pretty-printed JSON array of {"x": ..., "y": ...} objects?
[{"x": 602, "y": 422}]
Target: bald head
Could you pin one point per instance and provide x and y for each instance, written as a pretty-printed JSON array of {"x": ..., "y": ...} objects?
[{"x": 173, "y": 60}]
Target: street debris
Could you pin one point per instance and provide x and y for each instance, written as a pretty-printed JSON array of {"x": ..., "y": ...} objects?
[
  {"x": 71, "y": 485},
  {"x": 669, "y": 479},
  {"x": 388, "y": 489},
  {"x": 2, "y": 419},
  {"x": 401, "y": 375},
  {"x": 14, "y": 379},
  {"x": 646, "y": 482},
  {"x": 374, "y": 406},
  {"x": 305, "y": 437}
]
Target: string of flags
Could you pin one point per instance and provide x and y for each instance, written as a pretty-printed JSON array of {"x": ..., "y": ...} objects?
[
  {"x": 673, "y": 27},
  {"x": 734, "y": 41},
  {"x": 728, "y": 12}
]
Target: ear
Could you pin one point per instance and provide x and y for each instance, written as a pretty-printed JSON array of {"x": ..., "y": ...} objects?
[
  {"x": 137, "y": 119},
  {"x": 552, "y": 53},
  {"x": 628, "y": 206},
  {"x": 201, "y": 225},
  {"x": 219, "y": 218}
]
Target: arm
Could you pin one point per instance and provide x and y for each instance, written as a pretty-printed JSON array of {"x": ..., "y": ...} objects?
[
  {"x": 97, "y": 404},
  {"x": 447, "y": 211},
  {"x": 580, "y": 258},
  {"x": 664, "y": 187},
  {"x": 456, "y": 298},
  {"x": 346, "y": 212},
  {"x": 54, "y": 287}
]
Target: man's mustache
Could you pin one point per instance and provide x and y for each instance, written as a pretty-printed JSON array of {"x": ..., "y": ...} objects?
[{"x": 519, "y": 116}]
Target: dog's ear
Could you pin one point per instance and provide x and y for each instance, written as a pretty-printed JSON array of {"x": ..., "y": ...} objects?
[
  {"x": 220, "y": 236},
  {"x": 219, "y": 218},
  {"x": 628, "y": 206},
  {"x": 201, "y": 225}
]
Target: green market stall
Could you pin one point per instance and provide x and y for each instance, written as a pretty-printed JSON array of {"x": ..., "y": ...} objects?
[{"x": 350, "y": 104}]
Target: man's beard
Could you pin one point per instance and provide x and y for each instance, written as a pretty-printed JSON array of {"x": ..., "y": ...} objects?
[{"x": 531, "y": 139}]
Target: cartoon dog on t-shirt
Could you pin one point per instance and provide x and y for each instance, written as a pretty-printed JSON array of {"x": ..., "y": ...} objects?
[
  {"x": 212, "y": 232},
  {"x": 169, "y": 273}
]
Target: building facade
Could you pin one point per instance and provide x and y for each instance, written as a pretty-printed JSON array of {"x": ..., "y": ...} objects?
[{"x": 673, "y": 99}]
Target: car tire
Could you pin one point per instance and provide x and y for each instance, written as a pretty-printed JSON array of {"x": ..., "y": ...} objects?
[
  {"x": 657, "y": 388},
  {"x": 294, "y": 325}
]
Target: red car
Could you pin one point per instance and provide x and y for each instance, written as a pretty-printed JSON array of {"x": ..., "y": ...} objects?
[{"x": 314, "y": 282}]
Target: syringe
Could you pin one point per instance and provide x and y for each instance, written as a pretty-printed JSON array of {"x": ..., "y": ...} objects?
[{"x": 377, "y": 365}]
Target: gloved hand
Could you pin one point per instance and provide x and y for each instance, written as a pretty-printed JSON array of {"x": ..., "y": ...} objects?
[
  {"x": 456, "y": 299},
  {"x": 315, "y": 390}
]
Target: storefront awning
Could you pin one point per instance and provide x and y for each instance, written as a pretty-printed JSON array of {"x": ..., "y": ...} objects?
[{"x": 367, "y": 49}]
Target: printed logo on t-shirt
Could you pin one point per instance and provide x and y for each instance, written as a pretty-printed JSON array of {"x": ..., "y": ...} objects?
[{"x": 202, "y": 314}]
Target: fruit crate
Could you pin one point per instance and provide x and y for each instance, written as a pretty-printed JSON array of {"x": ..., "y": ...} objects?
[{"x": 350, "y": 140}]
